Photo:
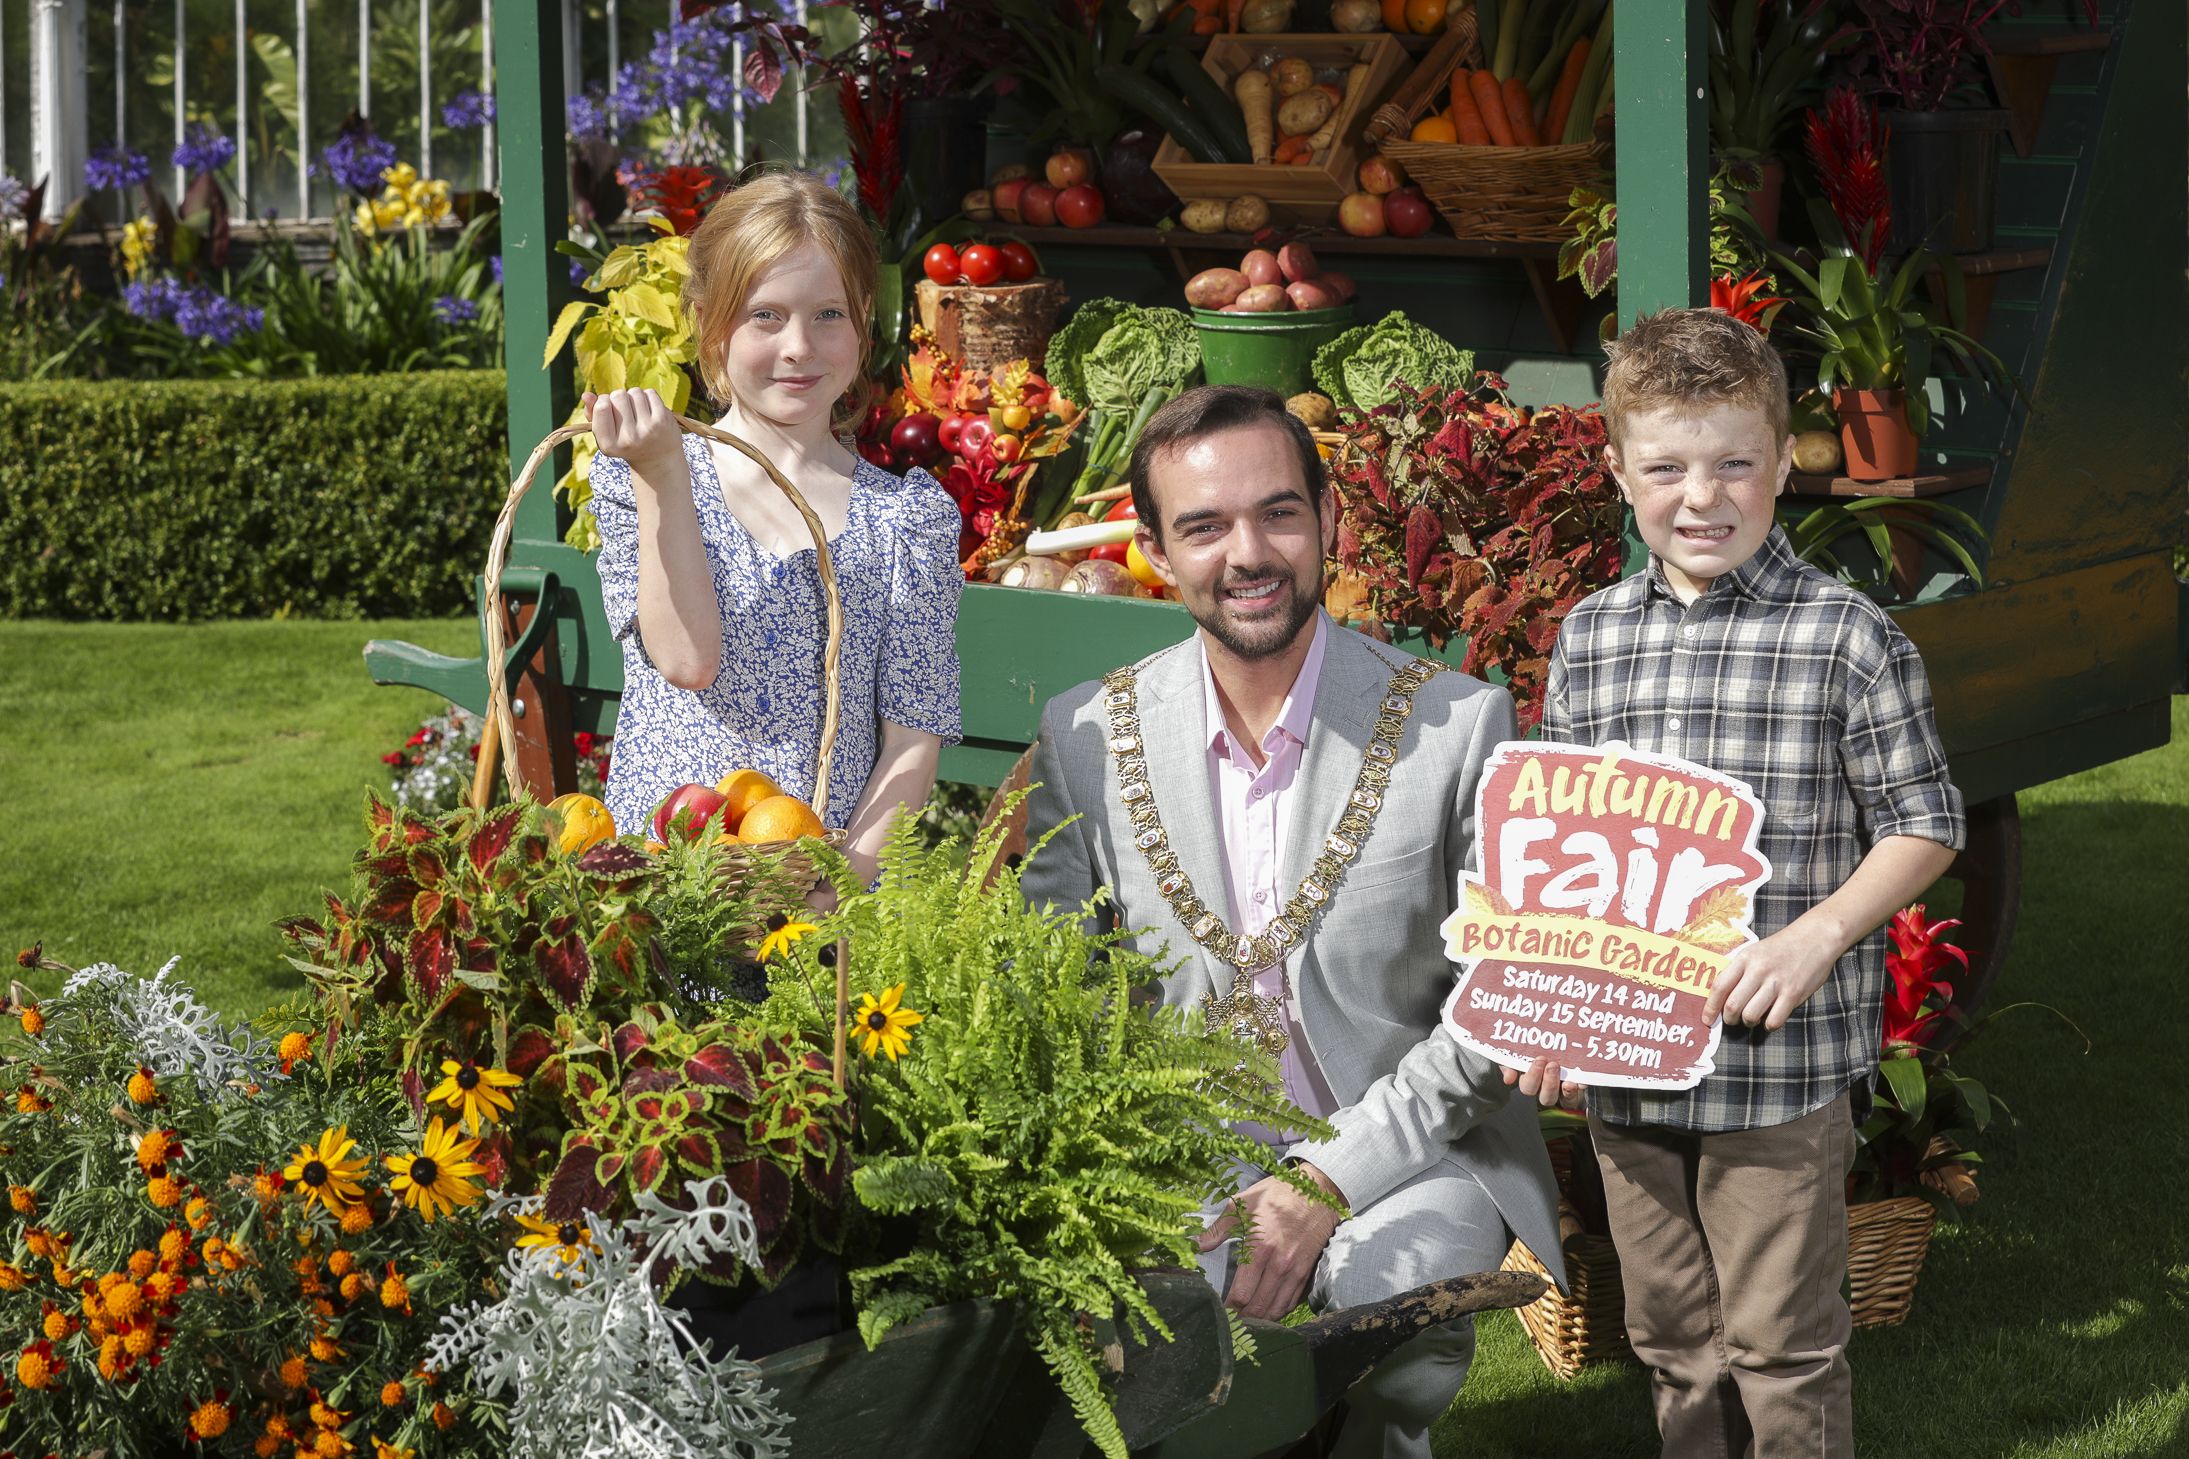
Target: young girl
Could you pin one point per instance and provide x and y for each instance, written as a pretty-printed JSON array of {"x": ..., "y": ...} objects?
[{"x": 707, "y": 571}]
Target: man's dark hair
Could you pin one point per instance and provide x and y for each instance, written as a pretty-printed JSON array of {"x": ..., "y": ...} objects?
[{"x": 1208, "y": 410}]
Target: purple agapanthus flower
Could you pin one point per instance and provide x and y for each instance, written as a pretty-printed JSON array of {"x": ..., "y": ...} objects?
[
  {"x": 13, "y": 195},
  {"x": 115, "y": 167},
  {"x": 204, "y": 149},
  {"x": 356, "y": 160},
  {"x": 198, "y": 312},
  {"x": 450, "y": 309},
  {"x": 587, "y": 117},
  {"x": 495, "y": 265},
  {"x": 470, "y": 109}
]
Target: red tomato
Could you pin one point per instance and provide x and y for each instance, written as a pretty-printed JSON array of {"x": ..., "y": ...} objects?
[
  {"x": 1121, "y": 511},
  {"x": 1112, "y": 552},
  {"x": 947, "y": 434},
  {"x": 1079, "y": 207},
  {"x": 1019, "y": 263},
  {"x": 942, "y": 264},
  {"x": 982, "y": 264}
]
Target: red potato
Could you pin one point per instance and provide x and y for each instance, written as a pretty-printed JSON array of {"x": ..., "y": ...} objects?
[
  {"x": 1296, "y": 261},
  {"x": 1264, "y": 299},
  {"x": 1340, "y": 284},
  {"x": 1261, "y": 267},
  {"x": 1312, "y": 294},
  {"x": 1216, "y": 287}
]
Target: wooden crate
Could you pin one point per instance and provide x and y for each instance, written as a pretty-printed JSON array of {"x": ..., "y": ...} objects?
[{"x": 1300, "y": 193}]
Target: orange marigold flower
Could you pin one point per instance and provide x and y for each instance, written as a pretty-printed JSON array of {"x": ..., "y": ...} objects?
[
  {"x": 339, "y": 1262},
  {"x": 39, "y": 1241},
  {"x": 34, "y": 1022},
  {"x": 156, "y": 1147},
  {"x": 11, "y": 1277},
  {"x": 56, "y": 1324},
  {"x": 357, "y": 1219},
  {"x": 266, "y": 1446},
  {"x": 24, "y": 1199},
  {"x": 330, "y": 1444},
  {"x": 198, "y": 1212},
  {"x": 29, "y": 1101},
  {"x": 141, "y": 1338},
  {"x": 111, "y": 1357},
  {"x": 38, "y": 1367},
  {"x": 174, "y": 1244},
  {"x": 355, "y": 1285},
  {"x": 164, "y": 1191},
  {"x": 144, "y": 1086},
  {"x": 63, "y": 1274},
  {"x": 395, "y": 1292},
  {"x": 325, "y": 1417},
  {"x": 143, "y": 1263},
  {"x": 210, "y": 1420},
  {"x": 266, "y": 1187},
  {"x": 277, "y": 1424},
  {"x": 444, "y": 1417},
  {"x": 124, "y": 1300},
  {"x": 294, "y": 1372},
  {"x": 323, "y": 1307},
  {"x": 382, "y": 1449},
  {"x": 392, "y": 1393},
  {"x": 293, "y": 1048},
  {"x": 164, "y": 1287},
  {"x": 325, "y": 1349}
]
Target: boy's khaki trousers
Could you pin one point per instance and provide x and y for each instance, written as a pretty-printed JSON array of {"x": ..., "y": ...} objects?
[{"x": 1732, "y": 1248}]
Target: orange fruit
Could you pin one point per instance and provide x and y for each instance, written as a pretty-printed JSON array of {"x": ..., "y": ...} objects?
[
  {"x": 1425, "y": 17},
  {"x": 743, "y": 789},
  {"x": 778, "y": 818},
  {"x": 1433, "y": 129},
  {"x": 585, "y": 823},
  {"x": 1394, "y": 15}
]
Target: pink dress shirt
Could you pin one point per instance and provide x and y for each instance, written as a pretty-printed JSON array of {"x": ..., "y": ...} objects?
[{"x": 1253, "y": 806}]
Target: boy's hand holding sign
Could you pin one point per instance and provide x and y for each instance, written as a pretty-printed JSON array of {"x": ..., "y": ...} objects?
[{"x": 1614, "y": 888}]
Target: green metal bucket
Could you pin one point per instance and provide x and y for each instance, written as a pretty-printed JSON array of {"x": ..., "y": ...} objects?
[{"x": 1270, "y": 350}]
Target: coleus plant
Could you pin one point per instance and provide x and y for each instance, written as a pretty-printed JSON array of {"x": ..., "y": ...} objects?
[
  {"x": 655, "y": 1103},
  {"x": 1467, "y": 516}
]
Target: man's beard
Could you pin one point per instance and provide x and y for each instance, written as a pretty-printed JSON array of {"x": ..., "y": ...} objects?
[{"x": 1272, "y": 637}]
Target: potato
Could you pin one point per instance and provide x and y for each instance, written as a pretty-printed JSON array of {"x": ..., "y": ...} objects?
[
  {"x": 1340, "y": 284},
  {"x": 1214, "y": 288},
  {"x": 1264, "y": 299},
  {"x": 979, "y": 203},
  {"x": 1205, "y": 216},
  {"x": 1298, "y": 116},
  {"x": 1356, "y": 17},
  {"x": 1312, "y": 294},
  {"x": 1296, "y": 261},
  {"x": 1265, "y": 17},
  {"x": 1314, "y": 411},
  {"x": 1261, "y": 267},
  {"x": 1817, "y": 452},
  {"x": 1292, "y": 76},
  {"x": 1247, "y": 213}
]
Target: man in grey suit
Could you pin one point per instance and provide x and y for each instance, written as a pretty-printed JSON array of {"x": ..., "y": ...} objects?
[{"x": 1287, "y": 805}]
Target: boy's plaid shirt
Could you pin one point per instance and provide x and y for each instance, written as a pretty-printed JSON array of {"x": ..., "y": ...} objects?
[{"x": 1807, "y": 691}]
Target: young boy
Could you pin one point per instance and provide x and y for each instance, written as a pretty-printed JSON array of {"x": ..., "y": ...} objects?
[{"x": 1727, "y": 1200}]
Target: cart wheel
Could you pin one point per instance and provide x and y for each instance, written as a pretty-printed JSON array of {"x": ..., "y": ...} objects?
[{"x": 1990, "y": 873}]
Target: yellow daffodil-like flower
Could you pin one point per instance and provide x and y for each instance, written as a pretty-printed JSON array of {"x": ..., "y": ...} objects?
[
  {"x": 439, "y": 1177},
  {"x": 139, "y": 237},
  {"x": 571, "y": 1241},
  {"x": 881, "y": 1024},
  {"x": 367, "y": 218},
  {"x": 399, "y": 177},
  {"x": 783, "y": 935},
  {"x": 474, "y": 1093},
  {"x": 330, "y": 1173}
]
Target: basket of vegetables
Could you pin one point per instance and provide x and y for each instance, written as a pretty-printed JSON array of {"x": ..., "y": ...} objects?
[{"x": 1499, "y": 123}]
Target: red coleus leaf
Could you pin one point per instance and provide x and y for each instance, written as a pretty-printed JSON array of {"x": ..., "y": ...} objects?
[
  {"x": 391, "y": 901},
  {"x": 1423, "y": 532},
  {"x": 615, "y": 861},
  {"x": 563, "y": 965},
  {"x": 430, "y": 959},
  {"x": 766, "y": 1189},
  {"x": 575, "y": 1187},
  {"x": 425, "y": 908},
  {"x": 717, "y": 1066},
  {"x": 492, "y": 838},
  {"x": 586, "y": 1082},
  {"x": 649, "y": 1163},
  {"x": 528, "y": 1050},
  {"x": 628, "y": 1040}
]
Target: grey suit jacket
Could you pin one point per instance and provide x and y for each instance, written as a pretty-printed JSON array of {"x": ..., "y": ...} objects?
[{"x": 1372, "y": 976}]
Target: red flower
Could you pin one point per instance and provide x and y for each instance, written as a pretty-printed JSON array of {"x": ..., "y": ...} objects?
[
  {"x": 392, "y": 757},
  {"x": 583, "y": 740},
  {"x": 1846, "y": 143},
  {"x": 1745, "y": 300},
  {"x": 1919, "y": 952},
  {"x": 680, "y": 194}
]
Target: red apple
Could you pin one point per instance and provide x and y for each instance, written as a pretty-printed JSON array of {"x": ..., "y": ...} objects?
[
  {"x": 696, "y": 805},
  {"x": 1361, "y": 214},
  {"x": 1007, "y": 195},
  {"x": 1406, "y": 213},
  {"x": 1080, "y": 206},
  {"x": 1378, "y": 176},
  {"x": 1037, "y": 205}
]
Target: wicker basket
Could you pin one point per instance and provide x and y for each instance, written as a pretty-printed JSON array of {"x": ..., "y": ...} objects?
[
  {"x": 1886, "y": 1244},
  {"x": 777, "y": 874},
  {"x": 984, "y": 328},
  {"x": 1505, "y": 194},
  {"x": 1587, "y": 1323}
]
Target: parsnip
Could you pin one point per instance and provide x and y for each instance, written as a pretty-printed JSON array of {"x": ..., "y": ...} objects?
[{"x": 1256, "y": 101}]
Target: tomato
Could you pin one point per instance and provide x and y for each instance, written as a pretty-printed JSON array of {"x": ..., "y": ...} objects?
[
  {"x": 1121, "y": 511},
  {"x": 1019, "y": 263},
  {"x": 982, "y": 263},
  {"x": 1112, "y": 552},
  {"x": 976, "y": 433},
  {"x": 1079, "y": 207},
  {"x": 1006, "y": 447},
  {"x": 942, "y": 264}
]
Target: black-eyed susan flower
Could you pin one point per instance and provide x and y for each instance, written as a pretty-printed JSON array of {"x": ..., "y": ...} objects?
[
  {"x": 783, "y": 935},
  {"x": 570, "y": 1240},
  {"x": 440, "y": 1176},
  {"x": 881, "y": 1024},
  {"x": 329, "y": 1173},
  {"x": 474, "y": 1093}
]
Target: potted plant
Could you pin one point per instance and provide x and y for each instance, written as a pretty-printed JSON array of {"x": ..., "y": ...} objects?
[
  {"x": 1762, "y": 57},
  {"x": 1925, "y": 59}
]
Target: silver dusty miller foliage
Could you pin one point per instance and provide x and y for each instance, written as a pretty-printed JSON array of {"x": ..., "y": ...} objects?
[
  {"x": 172, "y": 1032},
  {"x": 594, "y": 1366}
]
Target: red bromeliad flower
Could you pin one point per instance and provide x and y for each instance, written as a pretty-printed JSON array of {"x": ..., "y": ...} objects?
[
  {"x": 1846, "y": 144},
  {"x": 873, "y": 125},
  {"x": 680, "y": 194},
  {"x": 1919, "y": 953},
  {"x": 1745, "y": 300}
]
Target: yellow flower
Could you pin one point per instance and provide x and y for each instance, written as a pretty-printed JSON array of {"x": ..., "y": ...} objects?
[
  {"x": 140, "y": 1339},
  {"x": 11, "y": 1277},
  {"x": 209, "y": 1420},
  {"x": 35, "y": 1369},
  {"x": 34, "y": 1022},
  {"x": 198, "y": 1212},
  {"x": 24, "y": 1199},
  {"x": 139, "y": 236},
  {"x": 56, "y": 1325},
  {"x": 164, "y": 1285},
  {"x": 325, "y": 1349},
  {"x": 29, "y": 1102},
  {"x": 329, "y": 1174},
  {"x": 474, "y": 1093},
  {"x": 438, "y": 1177},
  {"x": 174, "y": 1245},
  {"x": 296, "y": 1045},
  {"x": 400, "y": 177},
  {"x": 143, "y": 1263},
  {"x": 164, "y": 1191},
  {"x": 143, "y": 1087},
  {"x": 571, "y": 1240},
  {"x": 783, "y": 935},
  {"x": 329, "y": 1444},
  {"x": 881, "y": 1024},
  {"x": 382, "y": 1449},
  {"x": 357, "y": 1219},
  {"x": 111, "y": 1358},
  {"x": 124, "y": 1300},
  {"x": 325, "y": 1417},
  {"x": 367, "y": 218}
]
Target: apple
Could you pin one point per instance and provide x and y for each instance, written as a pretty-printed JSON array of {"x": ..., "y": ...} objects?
[
  {"x": 917, "y": 437},
  {"x": 1378, "y": 176},
  {"x": 1037, "y": 205},
  {"x": 1406, "y": 213},
  {"x": 1361, "y": 215},
  {"x": 1069, "y": 168},
  {"x": 696, "y": 805},
  {"x": 1080, "y": 206},
  {"x": 1006, "y": 196}
]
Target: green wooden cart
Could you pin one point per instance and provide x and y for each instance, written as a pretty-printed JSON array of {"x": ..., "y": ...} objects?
[{"x": 2064, "y": 659}]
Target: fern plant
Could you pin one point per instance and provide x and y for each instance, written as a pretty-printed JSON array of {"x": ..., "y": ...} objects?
[{"x": 1044, "y": 1135}]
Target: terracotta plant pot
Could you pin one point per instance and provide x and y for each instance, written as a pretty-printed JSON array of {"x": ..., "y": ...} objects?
[
  {"x": 1874, "y": 432},
  {"x": 1763, "y": 203}
]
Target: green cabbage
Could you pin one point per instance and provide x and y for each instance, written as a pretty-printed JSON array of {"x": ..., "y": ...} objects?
[
  {"x": 1072, "y": 342},
  {"x": 1109, "y": 354},
  {"x": 1358, "y": 368}
]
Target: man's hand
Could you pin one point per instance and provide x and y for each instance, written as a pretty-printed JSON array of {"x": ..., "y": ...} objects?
[
  {"x": 1766, "y": 981},
  {"x": 1540, "y": 1082},
  {"x": 1288, "y": 1237}
]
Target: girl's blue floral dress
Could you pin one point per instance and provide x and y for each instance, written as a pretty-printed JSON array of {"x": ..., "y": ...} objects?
[{"x": 897, "y": 571}]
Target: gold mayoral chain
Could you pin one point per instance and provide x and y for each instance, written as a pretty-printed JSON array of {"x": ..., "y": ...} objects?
[{"x": 1243, "y": 1012}]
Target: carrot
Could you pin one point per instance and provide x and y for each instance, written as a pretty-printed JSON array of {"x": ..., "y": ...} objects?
[
  {"x": 1520, "y": 112},
  {"x": 1569, "y": 81},
  {"x": 1288, "y": 148},
  {"x": 1257, "y": 103},
  {"x": 1207, "y": 24},
  {"x": 1491, "y": 103},
  {"x": 1466, "y": 116},
  {"x": 1232, "y": 12}
]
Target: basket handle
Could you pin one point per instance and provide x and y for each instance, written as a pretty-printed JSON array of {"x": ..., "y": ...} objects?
[
  {"x": 1431, "y": 78},
  {"x": 500, "y": 728}
]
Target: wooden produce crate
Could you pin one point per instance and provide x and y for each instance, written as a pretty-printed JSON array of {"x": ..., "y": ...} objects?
[{"x": 1300, "y": 193}]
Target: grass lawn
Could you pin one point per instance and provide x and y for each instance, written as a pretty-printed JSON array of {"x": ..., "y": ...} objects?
[{"x": 177, "y": 789}]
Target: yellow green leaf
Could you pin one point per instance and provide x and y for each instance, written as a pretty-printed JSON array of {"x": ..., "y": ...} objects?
[
  {"x": 624, "y": 265},
  {"x": 572, "y": 312}
]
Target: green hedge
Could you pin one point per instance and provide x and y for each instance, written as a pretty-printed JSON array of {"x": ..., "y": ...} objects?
[{"x": 365, "y": 496}]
